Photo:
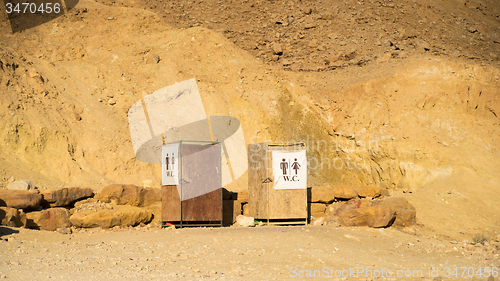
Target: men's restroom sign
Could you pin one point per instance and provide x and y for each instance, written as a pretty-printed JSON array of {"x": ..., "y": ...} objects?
[
  {"x": 290, "y": 169},
  {"x": 170, "y": 164}
]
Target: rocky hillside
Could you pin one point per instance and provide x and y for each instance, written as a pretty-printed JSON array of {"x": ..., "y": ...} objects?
[{"x": 402, "y": 95}]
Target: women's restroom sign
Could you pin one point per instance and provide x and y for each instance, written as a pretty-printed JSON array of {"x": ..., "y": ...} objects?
[
  {"x": 170, "y": 164},
  {"x": 290, "y": 169}
]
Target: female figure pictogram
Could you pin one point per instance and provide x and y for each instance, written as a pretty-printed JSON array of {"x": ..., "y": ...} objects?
[{"x": 296, "y": 166}]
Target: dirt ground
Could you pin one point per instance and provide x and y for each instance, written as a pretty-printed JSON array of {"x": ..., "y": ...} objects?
[{"x": 236, "y": 253}]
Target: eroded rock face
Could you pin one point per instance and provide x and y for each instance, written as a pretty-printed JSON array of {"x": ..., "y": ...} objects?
[
  {"x": 132, "y": 195},
  {"x": 12, "y": 217},
  {"x": 50, "y": 219},
  {"x": 20, "y": 199},
  {"x": 118, "y": 215},
  {"x": 65, "y": 196}
]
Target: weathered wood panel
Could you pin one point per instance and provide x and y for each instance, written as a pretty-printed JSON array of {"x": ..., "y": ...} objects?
[
  {"x": 170, "y": 204},
  {"x": 207, "y": 207},
  {"x": 257, "y": 174}
]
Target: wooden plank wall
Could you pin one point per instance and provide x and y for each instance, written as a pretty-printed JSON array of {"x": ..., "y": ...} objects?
[{"x": 257, "y": 173}]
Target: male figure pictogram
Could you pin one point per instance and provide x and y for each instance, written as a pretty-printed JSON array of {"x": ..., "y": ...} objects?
[
  {"x": 166, "y": 162},
  {"x": 284, "y": 166},
  {"x": 295, "y": 165}
]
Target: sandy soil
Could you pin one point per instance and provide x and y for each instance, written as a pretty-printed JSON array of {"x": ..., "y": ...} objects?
[{"x": 236, "y": 253}]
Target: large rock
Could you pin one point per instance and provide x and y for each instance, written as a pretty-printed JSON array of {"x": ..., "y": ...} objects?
[
  {"x": 155, "y": 209},
  {"x": 348, "y": 192},
  {"x": 374, "y": 213},
  {"x": 369, "y": 191},
  {"x": 326, "y": 196},
  {"x": 406, "y": 215},
  {"x": 50, "y": 219},
  {"x": 20, "y": 199},
  {"x": 12, "y": 217},
  {"x": 374, "y": 216},
  {"x": 129, "y": 195},
  {"x": 345, "y": 192},
  {"x": 118, "y": 215},
  {"x": 65, "y": 196},
  {"x": 21, "y": 185}
]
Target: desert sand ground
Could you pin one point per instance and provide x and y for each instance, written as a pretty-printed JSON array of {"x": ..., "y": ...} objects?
[{"x": 237, "y": 253}]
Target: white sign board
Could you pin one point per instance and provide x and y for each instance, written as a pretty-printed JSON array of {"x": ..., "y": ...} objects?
[
  {"x": 170, "y": 164},
  {"x": 290, "y": 169}
]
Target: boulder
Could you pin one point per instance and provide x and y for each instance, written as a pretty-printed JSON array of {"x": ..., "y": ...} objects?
[
  {"x": 345, "y": 192},
  {"x": 12, "y": 217},
  {"x": 132, "y": 195},
  {"x": 374, "y": 213},
  {"x": 21, "y": 185},
  {"x": 368, "y": 191},
  {"x": 50, "y": 219},
  {"x": 118, "y": 215},
  {"x": 374, "y": 216},
  {"x": 326, "y": 196},
  {"x": 65, "y": 196},
  {"x": 406, "y": 215},
  {"x": 20, "y": 199},
  {"x": 155, "y": 209}
]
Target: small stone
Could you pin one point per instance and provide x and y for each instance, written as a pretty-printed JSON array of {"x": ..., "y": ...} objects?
[
  {"x": 313, "y": 43},
  {"x": 328, "y": 16},
  {"x": 331, "y": 59},
  {"x": 64, "y": 230},
  {"x": 319, "y": 221},
  {"x": 245, "y": 221},
  {"x": 75, "y": 115},
  {"x": 471, "y": 29},
  {"x": 277, "y": 49},
  {"x": 310, "y": 25},
  {"x": 308, "y": 11},
  {"x": 111, "y": 101}
]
